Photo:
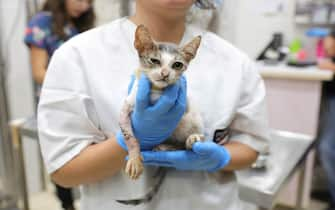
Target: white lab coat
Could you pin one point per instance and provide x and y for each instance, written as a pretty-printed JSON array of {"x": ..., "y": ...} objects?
[{"x": 84, "y": 90}]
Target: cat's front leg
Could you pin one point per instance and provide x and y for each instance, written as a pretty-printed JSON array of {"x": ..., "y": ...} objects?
[
  {"x": 192, "y": 139},
  {"x": 190, "y": 128},
  {"x": 134, "y": 166}
]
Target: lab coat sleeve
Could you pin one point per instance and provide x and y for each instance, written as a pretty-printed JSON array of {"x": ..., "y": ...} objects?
[
  {"x": 250, "y": 124},
  {"x": 67, "y": 120}
]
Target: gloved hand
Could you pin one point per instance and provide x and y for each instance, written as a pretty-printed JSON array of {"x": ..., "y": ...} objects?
[
  {"x": 154, "y": 123},
  {"x": 204, "y": 156}
]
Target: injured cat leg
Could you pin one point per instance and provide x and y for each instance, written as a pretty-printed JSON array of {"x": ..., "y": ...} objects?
[
  {"x": 190, "y": 128},
  {"x": 134, "y": 167}
]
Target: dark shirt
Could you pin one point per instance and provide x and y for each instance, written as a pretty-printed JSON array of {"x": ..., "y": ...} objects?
[
  {"x": 39, "y": 33},
  {"x": 329, "y": 87}
]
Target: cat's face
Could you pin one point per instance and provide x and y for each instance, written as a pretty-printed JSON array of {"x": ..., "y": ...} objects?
[{"x": 163, "y": 63}]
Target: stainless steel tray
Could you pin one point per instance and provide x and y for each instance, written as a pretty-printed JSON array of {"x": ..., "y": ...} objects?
[{"x": 261, "y": 186}]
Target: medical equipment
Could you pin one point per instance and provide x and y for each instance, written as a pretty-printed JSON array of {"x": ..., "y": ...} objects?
[{"x": 274, "y": 51}]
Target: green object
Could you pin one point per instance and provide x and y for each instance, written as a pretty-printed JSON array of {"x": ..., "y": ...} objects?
[{"x": 295, "y": 46}]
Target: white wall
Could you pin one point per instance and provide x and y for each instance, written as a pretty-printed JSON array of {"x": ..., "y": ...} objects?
[
  {"x": 19, "y": 83},
  {"x": 19, "y": 76},
  {"x": 252, "y": 28},
  {"x": 107, "y": 10}
]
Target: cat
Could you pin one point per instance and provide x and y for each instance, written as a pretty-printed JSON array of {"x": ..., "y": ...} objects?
[{"x": 163, "y": 64}]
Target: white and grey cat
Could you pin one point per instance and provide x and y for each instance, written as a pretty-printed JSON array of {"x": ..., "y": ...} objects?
[{"x": 163, "y": 64}]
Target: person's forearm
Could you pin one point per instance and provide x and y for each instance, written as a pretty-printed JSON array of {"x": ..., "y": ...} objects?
[
  {"x": 39, "y": 76},
  {"x": 39, "y": 61},
  {"x": 332, "y": 67},
  {"x": 327, "y": 65},
  {"x": 242, "y": 156},
  {"x": 95, "y": 163}
]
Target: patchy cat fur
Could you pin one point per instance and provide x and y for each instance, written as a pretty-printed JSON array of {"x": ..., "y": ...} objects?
[{"x": 163, "y": 64}]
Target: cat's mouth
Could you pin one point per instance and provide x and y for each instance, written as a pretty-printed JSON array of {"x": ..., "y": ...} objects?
[
  {"x": 162, "y": 83},
  {"x": 167, "y": 81},
  {"x": 163, "y": 80}
]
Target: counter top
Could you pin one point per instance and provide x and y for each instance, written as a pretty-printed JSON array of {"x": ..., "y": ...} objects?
[{"x": 282, "y": 71}]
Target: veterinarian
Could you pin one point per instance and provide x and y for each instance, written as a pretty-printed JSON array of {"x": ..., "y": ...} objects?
[
  {"x": 58, "y": 21},
  {"x": 85, "y": 87}
]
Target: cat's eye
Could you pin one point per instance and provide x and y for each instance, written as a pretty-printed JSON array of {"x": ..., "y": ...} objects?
[
  {"x": 155, "y": 61},
  {"x": 177, "y": 65}
]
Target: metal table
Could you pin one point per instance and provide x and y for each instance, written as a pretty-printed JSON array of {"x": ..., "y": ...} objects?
[
  {"x": 287, "y": 152},
  {"x": 23, "y": 128},
  {"x": 258, "y": 186}
]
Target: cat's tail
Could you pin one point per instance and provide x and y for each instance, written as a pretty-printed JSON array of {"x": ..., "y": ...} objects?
[{"x": 160, "y": 176}]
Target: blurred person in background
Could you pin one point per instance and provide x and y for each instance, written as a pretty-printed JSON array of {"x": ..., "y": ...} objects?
[
  {"x": 57, "y": 22},
  {"x": 327, "y": 137}
]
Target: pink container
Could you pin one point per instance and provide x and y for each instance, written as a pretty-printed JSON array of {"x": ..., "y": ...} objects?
[{"x": 320, "y": 51}]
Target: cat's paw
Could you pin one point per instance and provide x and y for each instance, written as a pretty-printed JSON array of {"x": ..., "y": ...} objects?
[
  {"x": 192, "y": 139},
  {"x": 134, "y": 167}
]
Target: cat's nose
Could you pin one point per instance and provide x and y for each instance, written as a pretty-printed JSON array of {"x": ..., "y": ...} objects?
[{"x": 165, "y": 73}]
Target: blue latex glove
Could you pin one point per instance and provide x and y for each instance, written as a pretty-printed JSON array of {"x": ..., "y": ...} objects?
[
  {"x": 204, "y": 156},
  {"x": 154, "y": 123}
]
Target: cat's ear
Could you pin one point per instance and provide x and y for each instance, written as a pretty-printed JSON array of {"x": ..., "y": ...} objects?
[
  {"x": 190, "y": 50},
  {"x": 143, "y": 41}
]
